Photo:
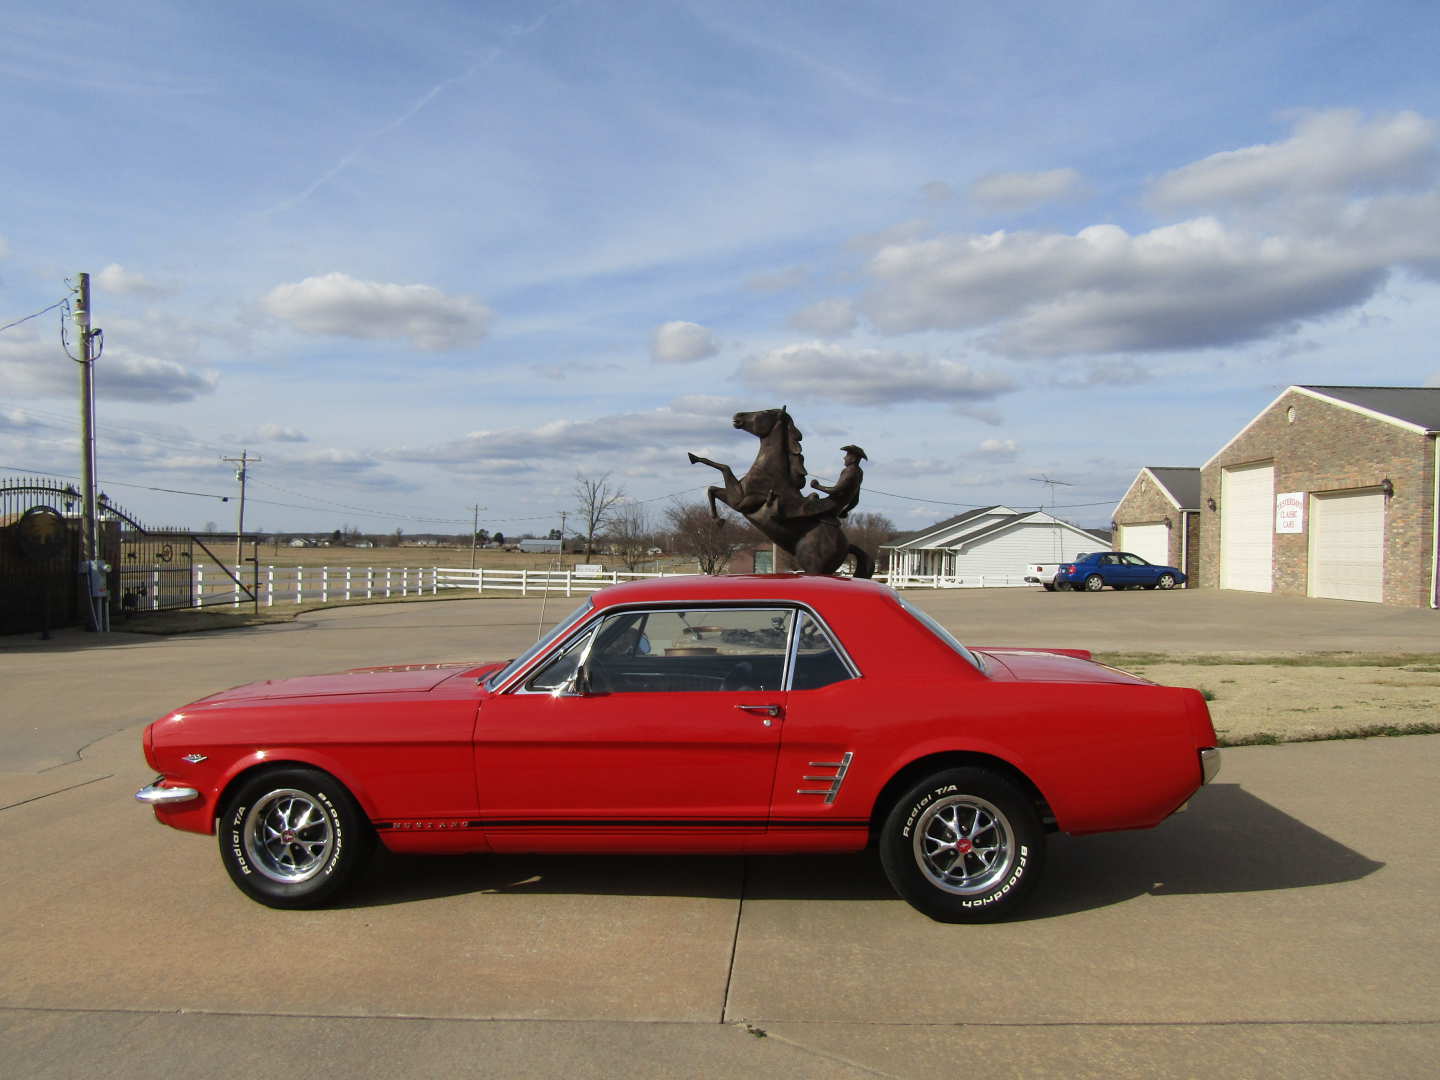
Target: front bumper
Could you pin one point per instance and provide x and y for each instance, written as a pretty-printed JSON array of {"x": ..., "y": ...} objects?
[{"x": 155, "y": 795}]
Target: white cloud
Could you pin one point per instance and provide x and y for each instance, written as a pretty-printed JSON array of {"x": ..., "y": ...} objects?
[
  {"x": 999, "y": 449},
  {"x": 828, "y": 318},
  {"x": 116, "y": 279},
  {"x": 281, "y": 433},
  {"x": 1010, "y": 191},
  {"x": 30, "y": 365},
  {"x": 135, "y": 377},
  {"x": 659, "y": 435},
  {"x": 867, "y": 376},
  {"x": 338, "y": 305},
  {"x": 682, "y": 343},
  {"x": 1332, "y": 151},
  {"x": 1191, "y": 285},
  {"x": 12, "y": 420}
]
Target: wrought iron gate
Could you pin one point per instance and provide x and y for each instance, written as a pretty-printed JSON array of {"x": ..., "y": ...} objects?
[
  {"x": 40, "y": 550},
  {"x": 39, "y": 556}
]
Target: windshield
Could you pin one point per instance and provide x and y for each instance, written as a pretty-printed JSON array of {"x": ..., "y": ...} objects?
[
  {"x": 539, "y": 646},
  {"x": 940, "y": 632}
]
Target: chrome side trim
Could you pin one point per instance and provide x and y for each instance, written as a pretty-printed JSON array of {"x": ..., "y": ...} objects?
[
  {"x": 841, "y": 767},
  {"x": 155, "y": 795},
  {"x": 1209, "y": 763}
]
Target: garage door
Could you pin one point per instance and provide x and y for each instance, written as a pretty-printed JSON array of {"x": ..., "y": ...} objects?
[
  {"x": 1347, "y": 546},
  {"x": 1247, "y": 536},
  {"x": 1150, "y": 542}
]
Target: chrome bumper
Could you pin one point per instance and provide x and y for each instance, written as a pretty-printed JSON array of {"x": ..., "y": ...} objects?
[
  {"x": 155, "y": 795},
  {"x": 1209, "y": 763}
]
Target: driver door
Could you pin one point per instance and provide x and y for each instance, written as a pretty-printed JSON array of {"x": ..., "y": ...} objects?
[{"x": 670, "y": 747}]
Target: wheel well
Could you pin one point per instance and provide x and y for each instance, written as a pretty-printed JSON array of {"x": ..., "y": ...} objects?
[
  {"x": 912, "y": 774},
  {"x": 269, "y": 766}
]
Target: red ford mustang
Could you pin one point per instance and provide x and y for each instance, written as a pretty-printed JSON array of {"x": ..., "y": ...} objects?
[{"x": 738, "y": 714}]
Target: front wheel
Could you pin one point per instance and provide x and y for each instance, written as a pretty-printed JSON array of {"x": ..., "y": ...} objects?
[
  {"x": 964, "y": 845},
  {"x": 1166, "y": 581},
  {"x": 1094, "y": 583},
  {"x": 293, "y": 837}
]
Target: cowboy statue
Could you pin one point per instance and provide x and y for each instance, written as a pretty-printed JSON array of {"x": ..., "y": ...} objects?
[{"x": 771, "y": 495}]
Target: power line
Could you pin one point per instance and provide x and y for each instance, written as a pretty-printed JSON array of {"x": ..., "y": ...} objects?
[{"x": 27, "y": 318}]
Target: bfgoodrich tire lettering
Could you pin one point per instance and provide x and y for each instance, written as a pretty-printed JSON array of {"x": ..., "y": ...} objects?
[
  {"x": 964, "y": 845},
  {"x": 292, "y": 837}
]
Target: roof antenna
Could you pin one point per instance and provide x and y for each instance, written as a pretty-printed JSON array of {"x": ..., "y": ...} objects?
[{"x": 1052, "y": 485}]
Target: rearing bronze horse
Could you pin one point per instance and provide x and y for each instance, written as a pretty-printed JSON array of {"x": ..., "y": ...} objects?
[{"x": 771, "y": 496}]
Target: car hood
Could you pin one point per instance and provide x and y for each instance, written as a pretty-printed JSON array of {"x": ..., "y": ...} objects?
[
  {"x": 1060, "y": 666},
  {"x": 399, "y": 679}
]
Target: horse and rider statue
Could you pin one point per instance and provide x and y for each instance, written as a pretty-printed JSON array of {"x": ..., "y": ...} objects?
[{"x": 772, "y": 496}]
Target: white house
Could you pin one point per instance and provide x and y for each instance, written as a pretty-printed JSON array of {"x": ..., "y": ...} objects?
[{"x": 993, "y": 545}]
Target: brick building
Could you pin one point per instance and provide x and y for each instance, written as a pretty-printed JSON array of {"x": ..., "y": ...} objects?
[
  {"x": 1159, "y": 518},
  {"x": 1328, "y": 492}
]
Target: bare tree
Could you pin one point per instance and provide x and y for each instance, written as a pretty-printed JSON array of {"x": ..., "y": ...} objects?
[
  {"x": 712, "y": 542},
  {"x": 869, "y": 531},
  {"x": 631, "y": 533},
  {"x": 596, "y": 500}
]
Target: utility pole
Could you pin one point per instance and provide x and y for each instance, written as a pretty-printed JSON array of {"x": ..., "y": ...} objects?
[
  {"x": 475, "y": 534},
  {"x": 89, "y": 537},
  {"x": 243, "y": 460}
]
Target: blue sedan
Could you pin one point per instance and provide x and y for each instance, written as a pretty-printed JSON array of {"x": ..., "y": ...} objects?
[{"x": 1118, "y": 569}]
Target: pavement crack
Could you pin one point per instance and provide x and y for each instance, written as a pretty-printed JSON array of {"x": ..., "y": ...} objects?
[
  {"x": 735, "y": 938},
  {"x": 58, "y": 791}
]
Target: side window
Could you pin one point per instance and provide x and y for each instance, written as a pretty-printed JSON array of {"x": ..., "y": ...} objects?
[
  {"x": 1135, "y": 560},
  {"x": 702, "y": 649},
  {"x": 817, "y": 663}
]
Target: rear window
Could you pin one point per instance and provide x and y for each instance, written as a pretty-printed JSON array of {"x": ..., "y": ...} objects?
[{"x": 939, "y": 631}]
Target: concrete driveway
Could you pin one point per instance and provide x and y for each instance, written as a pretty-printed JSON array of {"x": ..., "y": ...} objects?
[{"x": 1284, "y": 926}]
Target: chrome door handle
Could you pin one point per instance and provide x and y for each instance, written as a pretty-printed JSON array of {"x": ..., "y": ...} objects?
[{"x": 768, "y": 710}]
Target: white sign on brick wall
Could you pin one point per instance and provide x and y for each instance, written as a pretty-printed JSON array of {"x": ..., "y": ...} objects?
[{"x": 1290, "y": 512}]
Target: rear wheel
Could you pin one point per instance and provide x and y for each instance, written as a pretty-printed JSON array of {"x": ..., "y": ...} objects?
[
  {"x": 1094, "y": 583},
  {"x": 293, "y": 837},
  {"x": 964, "y": 845},
  {"x": 1166, "y": 581}
]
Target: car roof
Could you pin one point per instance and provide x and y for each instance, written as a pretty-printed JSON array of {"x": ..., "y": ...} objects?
[{"x": 815, "y": 589}]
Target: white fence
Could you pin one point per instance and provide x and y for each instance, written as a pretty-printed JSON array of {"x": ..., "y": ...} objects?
[
  {"x": 279, "y": 585},
  {"x": 336, "y": 584},
  {"x": 965, "y": 581}
]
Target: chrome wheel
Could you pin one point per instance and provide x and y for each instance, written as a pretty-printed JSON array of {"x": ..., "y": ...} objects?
[
  {"x": 964, "y": 844},
  {"x": 1094, "y": 583},
  {"x": 1167, "y": 581},
  {"x": 288, "y": 836}
]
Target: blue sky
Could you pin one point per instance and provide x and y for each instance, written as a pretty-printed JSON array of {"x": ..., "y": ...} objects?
[{"x": 421, "y": 257}]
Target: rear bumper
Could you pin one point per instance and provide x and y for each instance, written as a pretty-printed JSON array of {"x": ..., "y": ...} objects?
[{"x": 1209, "y": 763}]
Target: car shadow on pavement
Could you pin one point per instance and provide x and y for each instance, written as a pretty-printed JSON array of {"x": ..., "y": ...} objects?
[{"x": 1229, "y": 841}]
